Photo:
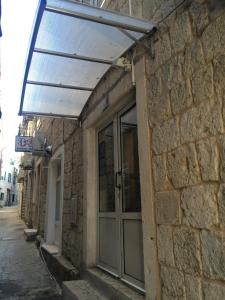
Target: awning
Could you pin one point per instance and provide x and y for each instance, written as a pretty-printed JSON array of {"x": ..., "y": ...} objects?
[{"x": 72, "y": 46}]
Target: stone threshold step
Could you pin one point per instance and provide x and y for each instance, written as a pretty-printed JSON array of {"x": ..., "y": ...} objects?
[
  {"x": 80, "y": 290},
  {"x": 97, "y": 283},
  {"x": 58, "y": 265},
  {"x": 30, "y": 234}
]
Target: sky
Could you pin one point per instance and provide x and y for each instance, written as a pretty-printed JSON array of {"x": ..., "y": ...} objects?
[{"x": 17, "y": 21}]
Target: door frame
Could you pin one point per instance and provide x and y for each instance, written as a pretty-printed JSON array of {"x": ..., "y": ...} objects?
[
  {"x": 51, "y": 204},
  {"x": 117, "y": 98},
  {"x": 108, "y": 214},
  {"x": 127, "y": 215},
  {"x": 118, "y": 214}
]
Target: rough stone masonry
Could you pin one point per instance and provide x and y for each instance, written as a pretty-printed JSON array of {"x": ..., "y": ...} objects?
[{"x": 186, "y": 115}]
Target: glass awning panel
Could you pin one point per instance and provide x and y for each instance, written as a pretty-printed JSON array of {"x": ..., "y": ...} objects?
[{"x": 72, "y": 47}]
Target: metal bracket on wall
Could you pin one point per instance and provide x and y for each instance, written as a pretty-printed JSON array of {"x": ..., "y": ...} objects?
[{"x": 124, "y": 63}]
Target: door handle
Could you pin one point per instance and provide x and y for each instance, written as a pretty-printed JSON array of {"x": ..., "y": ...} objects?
[{"x": 118, "y": 180}]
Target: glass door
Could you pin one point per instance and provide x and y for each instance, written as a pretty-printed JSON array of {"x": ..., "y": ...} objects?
[
  {"x": 130, "y": 210},
  {"x": 120, "y": 249},
  {"x": 108, "y": 222}
]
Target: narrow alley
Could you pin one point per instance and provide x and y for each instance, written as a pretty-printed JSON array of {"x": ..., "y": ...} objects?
[
  {"x": 112, "y": 146},
  {"x": 22, "y": 272}
]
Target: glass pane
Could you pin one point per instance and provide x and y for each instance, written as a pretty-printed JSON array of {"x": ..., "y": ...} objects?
[
  {"x": 52, "y": 100},
  {"x": 60, "y": 70},
  {"x": 106, "y": 170},
  {"x": 133, "y": 249},
  {"x": 57, "y": 201},
  {"x": 130, "y": 162},
  {"x": 76, "y": 36}
]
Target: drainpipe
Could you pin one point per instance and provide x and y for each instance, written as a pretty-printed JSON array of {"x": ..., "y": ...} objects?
[
  {"x": 132, "y": 61},
  {"x": 130, "y": 7}
]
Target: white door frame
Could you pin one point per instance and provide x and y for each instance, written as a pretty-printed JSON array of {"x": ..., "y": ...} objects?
[
  {"x": 90, "y": 125},
  {"x": 118, "y": 215},
  {"x": 51, "y": 194}
]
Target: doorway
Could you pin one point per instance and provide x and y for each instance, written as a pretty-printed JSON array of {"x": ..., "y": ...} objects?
[
  {"x": 55, "y": 200},
  {"x": 120, "y": 244}
]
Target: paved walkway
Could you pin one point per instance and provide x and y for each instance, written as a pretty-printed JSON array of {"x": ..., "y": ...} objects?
[{"x": 23, "y": 275}]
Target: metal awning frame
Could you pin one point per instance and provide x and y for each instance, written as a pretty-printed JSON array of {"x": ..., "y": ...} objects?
[
  {"x": 50, "y": 115},
  {"x": 118, "y": 63}
]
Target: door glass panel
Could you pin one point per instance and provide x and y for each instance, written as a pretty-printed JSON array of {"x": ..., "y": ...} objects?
[
  {"x": 133, "y": 249},
  {"x": 108, "y": 238},
  {"x": 106, "y": 170},
  {"x": 130, "y": 162}
]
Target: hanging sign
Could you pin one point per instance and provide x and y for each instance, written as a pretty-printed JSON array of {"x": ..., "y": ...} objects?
[{"x": 23, "y": 143}]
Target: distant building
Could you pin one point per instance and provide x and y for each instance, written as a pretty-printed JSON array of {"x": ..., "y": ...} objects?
[{"x": 8, "y": 180}]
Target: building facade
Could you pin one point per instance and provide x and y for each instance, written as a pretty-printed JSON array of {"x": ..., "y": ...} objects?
[
  {"x": 8, "y": 183},
  {"x": 136, "y": 186}
]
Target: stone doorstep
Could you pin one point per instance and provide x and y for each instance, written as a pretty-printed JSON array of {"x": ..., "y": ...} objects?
[
  {"x": 80, "y": 290},
  {"x": 58, "y": 265},
  {"x": 99, "y": 285},
  {"x": 30, "y": 234},
  {"x": 51, "y": 249}
]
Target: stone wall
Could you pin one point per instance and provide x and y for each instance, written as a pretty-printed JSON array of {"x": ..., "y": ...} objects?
[
  {"x": 186, "y": 82},
  {"x": 186, "y": 88},
  {"x": 27, "y": 198},
  {"x": 41, "y": 206},
  {"x": 58, "y": 132},
  {"x": 73, "y": 198}
]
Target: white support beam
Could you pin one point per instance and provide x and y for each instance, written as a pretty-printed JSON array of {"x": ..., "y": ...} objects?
[{"x": 62, "y": 86}]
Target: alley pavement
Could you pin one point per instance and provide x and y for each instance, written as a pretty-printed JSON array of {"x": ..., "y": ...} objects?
[{"x": 23, "y": 275}]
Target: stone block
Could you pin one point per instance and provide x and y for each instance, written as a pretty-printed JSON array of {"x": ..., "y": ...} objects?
[
  {"x": 163, "y": 49},
  {"x": 202, "y": 84},
  {"x": 154, "y": 87},
  {"x": 213, "y": 290},
  {"x": 136, "y": 9},
  {"x": 213, "y": 38},
  {"x": 162, "y": 9},
  {"x": 219, "y": 78},
  {"x": 183, "y": 167},
  {"x": 30, "y": 234},
  {"x": 199, "y": 16},
  {"x": 161, "y": 181},
  {"x": 166, "y": 136},
  {"x": 208, "y": 156},
  {"x": 165, "y": 245},
  {"x": 167, "y": 207},
  {"x": 149, "y": 9},
  {"x": 201, "y": 121},
  {"x": 193, "y": 58},
  {"x": 159, "y": 109},
  {"x": 172, "y": 72},
  {"x": 172, "y": 282},
  {"x": 193, "y": 288},
  {"x": 199, "y": 204},
  {"x": 222, "y": 157},
  {"x": 181, "y": 32},
  {"x": 187, "y": 251},
  {"x": 181, "y": 97},
  {"x": 221, "y": 205},
  {"x": 213, "y": 255},
  {"x": 158, "y": 103}
]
